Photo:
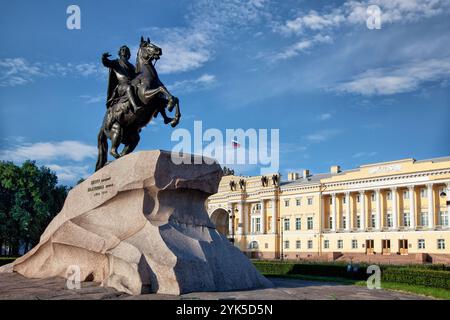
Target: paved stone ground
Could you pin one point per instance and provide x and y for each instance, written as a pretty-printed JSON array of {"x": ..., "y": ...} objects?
[{"x": 15, "y": 286}]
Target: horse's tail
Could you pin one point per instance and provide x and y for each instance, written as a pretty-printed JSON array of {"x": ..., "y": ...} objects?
[{"x": 102, "y": 144}]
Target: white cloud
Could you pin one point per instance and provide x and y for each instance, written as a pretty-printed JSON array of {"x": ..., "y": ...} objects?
[
  {"x": 19, "y": 71},
  {"x": 398, "y": 79},
  {"x": 311, "y": 21},
  {"x": 355, "y": 12},
  {"x": 352, "y": 13},
  {"x": 365, "y": 154},
  {"x": 324, "y": 116},
  {"x": 322, "y": 135},
  {"x": 302, "y": 46},
  {"x": 90, "y": 99},
  {"x": 203, "y": 82},
  {"x": 69, "y": 173},
  {"x": 71, "y": 150},
  {"x": 190, "y": 47}
]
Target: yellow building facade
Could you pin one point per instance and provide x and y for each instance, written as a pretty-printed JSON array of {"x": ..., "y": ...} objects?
[{"x": 392, "y": 212}]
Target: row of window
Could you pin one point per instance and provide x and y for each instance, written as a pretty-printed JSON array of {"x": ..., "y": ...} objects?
[
  {"x": 298, "y": 244},
  {"x": 298, "y": 223},
  {"x": 406, "y": 219},
  {"x": 340, "y": 244},
  {"x": 298, "y": 201}
]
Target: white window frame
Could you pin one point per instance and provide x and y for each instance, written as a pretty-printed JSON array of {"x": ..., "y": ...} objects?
[
  {"x": 298, "y": 223},
  {"x": 421, "y": 244},
  {"x": 441, "y": 244}
]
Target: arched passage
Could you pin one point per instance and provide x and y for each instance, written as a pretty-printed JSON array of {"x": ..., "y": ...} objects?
[{"x": 220, "y": 218}]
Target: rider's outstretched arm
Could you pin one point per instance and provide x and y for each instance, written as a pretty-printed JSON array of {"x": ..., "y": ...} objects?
[{"x": 106, "y": 62}]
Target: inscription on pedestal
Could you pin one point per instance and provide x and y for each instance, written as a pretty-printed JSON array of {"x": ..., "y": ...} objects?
[{"x": 100, "y": 186}]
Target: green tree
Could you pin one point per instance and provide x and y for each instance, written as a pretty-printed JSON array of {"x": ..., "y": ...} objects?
[{"x": 29, "y": 199}]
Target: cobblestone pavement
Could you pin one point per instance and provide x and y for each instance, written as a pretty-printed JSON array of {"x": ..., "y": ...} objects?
[{"x": 15, "y": 286}]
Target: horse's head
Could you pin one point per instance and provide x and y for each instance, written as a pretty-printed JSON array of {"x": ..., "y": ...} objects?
[{"x": 148, "y": 51}]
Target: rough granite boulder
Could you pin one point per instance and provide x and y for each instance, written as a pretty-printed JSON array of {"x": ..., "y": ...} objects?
[{"x": 140, "y": 225}]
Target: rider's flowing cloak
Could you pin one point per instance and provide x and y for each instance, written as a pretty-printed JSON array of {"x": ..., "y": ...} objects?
[{"x": 112, "y": 84}]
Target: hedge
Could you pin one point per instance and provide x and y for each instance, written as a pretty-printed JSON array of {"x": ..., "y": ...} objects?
[
  {"x": 324, "y": 270},
  {"x": 6, "y": 260},
  {"x": 428, "y": 278},
  {"x": 437, "y": 277}
]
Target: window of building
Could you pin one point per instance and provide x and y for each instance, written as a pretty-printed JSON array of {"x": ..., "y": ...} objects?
[
  {"x": 266, "y": 245},
  {"x": 373, "y": 218},
  {"x": 441, "y": 244},
  {"x": 340, "y": 244},
  {"x": 423, "y": 193},
  {"x": 326, "y": 244},
  {"x": 258, "y": 206},
  {"x": 344, "y": 222},
  {"x": 298, "y": 244},
  {"x": 388, "y": 195},
  {"x": 330, "y": 222},
  {"x": 372, "y": 196},
  {"x": 443, "y": 218},
  {"x": 358, "y": 198},
  {"x": 310, "y": 223},
  {"x": 421, "y": 244},
  {"x": 287, "y": 224},
  {"x": 424, "y": 219},
  {"x": 286, "y": 244},
  {"x": 253, "y": 245},
  {"x": 354, "y": 244},
  {"x": 406, "y": 219},
  {"x": 389, "y": 221},
  {"x": 310, "y": 201},
  {"x": 344, "y": 200},
  {"x": 286, "y": 203},
  {"x": 406, "y": 194},
  {"x": 258, "y": 224},
  {"x": 331, "y": 200},
  {"x": 298, "y": 202},
  {"x": 310, "y": 244},
  {"x": 358, "y": 221},
  {"x": 298, "y": 223}
]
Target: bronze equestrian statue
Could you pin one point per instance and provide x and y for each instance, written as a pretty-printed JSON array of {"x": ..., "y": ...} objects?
[{"x": 134, "y": 97}]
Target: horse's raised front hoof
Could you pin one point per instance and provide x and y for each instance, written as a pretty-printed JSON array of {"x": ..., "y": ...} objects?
[
  {"x": 168, "y": 120},
  {"x": 174, "y": 122}
]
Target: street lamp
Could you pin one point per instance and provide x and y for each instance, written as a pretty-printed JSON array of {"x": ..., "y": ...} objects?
[{"x": 232, "y": 215}]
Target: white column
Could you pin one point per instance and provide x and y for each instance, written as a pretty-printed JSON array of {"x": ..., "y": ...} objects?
[
  {"x": 274, "y": 216},
  {"x": 322, "y": 213},
  {"x": 230, "y": 218},
  {"x": 348, "y": 218},
  {"x": 378, "y": 209},
  {"x": 448, "y": 199},
  {"x": 240, "y": 229},
  {"x": 430, "y": 206},
  {"x": 394, "y": 208},
  {"x": 333, "y": 212},
  {"x": 263, "y": 217},
  {"x": 362, "y": 210},
  {"x": 412, "y": 207}
]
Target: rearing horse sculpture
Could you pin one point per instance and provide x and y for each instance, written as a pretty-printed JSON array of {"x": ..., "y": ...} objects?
[{"x": 121, "y": 123}]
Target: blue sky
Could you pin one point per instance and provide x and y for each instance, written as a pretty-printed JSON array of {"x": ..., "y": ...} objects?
[{"x": 339, "y": 92}]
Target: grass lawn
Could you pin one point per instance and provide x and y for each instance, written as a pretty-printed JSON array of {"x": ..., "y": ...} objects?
[{"x": 422, "y": 290}]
